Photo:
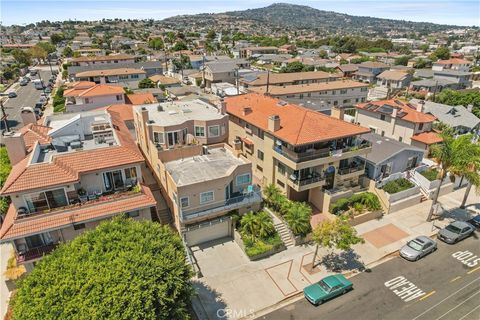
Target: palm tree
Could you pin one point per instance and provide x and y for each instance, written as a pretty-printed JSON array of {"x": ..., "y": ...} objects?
[
  {"x": 264, "y": 225},
  {"x": 467, "y": 165},
  {"x": 298, "y": 218},
  {"x": 249, "y": 225},
  {"x": 270, "y": 192},
  {"x": 456, "y": 156}
]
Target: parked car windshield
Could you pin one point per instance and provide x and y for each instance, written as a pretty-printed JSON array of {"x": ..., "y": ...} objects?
[
  {"x": 414, "y": 245},
  {"x": 453, "y": 229},
  {"x": 324, "y": 286}
]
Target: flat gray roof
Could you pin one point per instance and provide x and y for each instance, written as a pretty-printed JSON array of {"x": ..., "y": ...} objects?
[
  {"x": 384, "y": 148},
  {"x": 180, "y": 111},
  {"x": 218, "y": 163}
]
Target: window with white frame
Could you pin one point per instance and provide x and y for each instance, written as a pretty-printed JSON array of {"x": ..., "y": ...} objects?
[
  {"x": 184, "y": 202},
  {"x": 213, "y": 131},
  {"x": 119, "y": 97},
  {"x": 158, "y": 137},
  {"x": 134, "y": 76},
  {"x": 123, "y": 77},
  {"x": 206, "y": 197},
  {"x": 199, "y": 131},
  {"x": 243, "y": 179}
]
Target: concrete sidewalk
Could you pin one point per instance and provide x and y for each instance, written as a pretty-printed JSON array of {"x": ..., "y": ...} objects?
[{"x": 234, "y": 287}]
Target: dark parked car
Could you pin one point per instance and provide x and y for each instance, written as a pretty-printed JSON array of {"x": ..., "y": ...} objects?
[
  {"x": 455, "y": 231},
  {"x": 475, "y": 221}
]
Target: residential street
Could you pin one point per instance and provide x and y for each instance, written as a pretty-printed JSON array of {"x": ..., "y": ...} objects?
[
  {"x": 27, "y": 96},
  {"x": 448, "y": 289}
]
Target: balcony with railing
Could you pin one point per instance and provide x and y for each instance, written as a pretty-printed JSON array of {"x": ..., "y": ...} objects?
[
  {"x": 352, "y": 167},
  {"x": 323, "y": 153},
  {"x": 81, "y": 199},
  {"x": 307, "y": 181},
  {"x": 35, "y": 253},
  {"x": 236, "y": 202}
]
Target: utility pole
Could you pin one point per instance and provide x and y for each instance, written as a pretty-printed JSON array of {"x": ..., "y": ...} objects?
[
  {"x": 268, "y": 81},
  {"x": 4, "y": 116},
  {"x": 237, "y": 80},
  {"x": 43, "y": 84},
  {"x": 49, "y": 64}
]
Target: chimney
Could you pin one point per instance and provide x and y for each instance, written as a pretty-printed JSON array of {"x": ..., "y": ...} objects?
[
  {"x": 246, "y": 110},
  {"x": 420, "y": 106},
  {"x": 222, "y": 107},
  {"x": 470, "y": 107},
  {"x": 274, "y": 123},
  {"x": 103, "y": 80},
  {"x": 16, "y": 149},
  {"x": 28, "y": 116},
  {"x": 338, "y": 113},
  {"x": 394, "y": 113}
]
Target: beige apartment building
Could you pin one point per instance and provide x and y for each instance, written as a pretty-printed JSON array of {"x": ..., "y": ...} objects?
[
  {"x": 305, "y": 153},
  {"x": 68, "y": 175},
  {"x": 343, "y": 93},
  {"x": 201, "y": 178},
  {"x": 398, "y": 120}
]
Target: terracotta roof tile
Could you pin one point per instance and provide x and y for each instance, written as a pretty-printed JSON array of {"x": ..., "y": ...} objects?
[
  {"x": 410, "y": 112},
  {"x": 298, "y": 125},
  {"x": 141, "y": 98},
  {"x": 427, "y": 138},
  {"x": 124, "y": 111},
  {"x": 277, "y": 78},
  {"x": 109, "y": 72},
  {"x": 34, "y": 132},
  {"x": 97, "y": 90},
  {"x": 104, "y": 58},
  {"x": 453, "y": 61},
  {"x": 66, "y": 167},
  {"x": 14, "y": 228}
]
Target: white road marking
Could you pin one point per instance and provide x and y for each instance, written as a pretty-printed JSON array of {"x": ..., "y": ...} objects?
[
  {"x": 452, "y": 294},
  {"x": 407, "y": 291},
  {"x": 458, "y": 305},
  {"x": 469, "y": 312},
  {"x": 467, "y": 258}
]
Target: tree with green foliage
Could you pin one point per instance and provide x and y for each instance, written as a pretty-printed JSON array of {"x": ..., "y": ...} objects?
[
  {"x": 460, "y": 98},
  {"x": 441, "y": 53},
  {"x": 296, "y": 66},
  {"x": 47, "y": 46},
  {"x": 179, "y": 45},
  {"x": 22, "y": 57},
  {"x": 424, "y": 47},
  {"x": 67, "y": 52},
  {"x": 38, "y": 53},
  {"x": 211, "y": 35},
  {"x": 256, "y": 225},
  {"x": 146, "y": 83},
  {"x": 5, "y": 168},
  {"x": 156, "y": 43},
  {"x": 298, "y": 218},
  {"x": 336, "y": 233},
  {"x": 123, "y": 269},
  {"x": 57, "y": 38},
  {"x": 402, "y": 61},
  {"x": 455, "y": 155}
]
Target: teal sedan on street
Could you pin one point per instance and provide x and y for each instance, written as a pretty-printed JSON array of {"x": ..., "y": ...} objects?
[{"x": 327, "y": 288}]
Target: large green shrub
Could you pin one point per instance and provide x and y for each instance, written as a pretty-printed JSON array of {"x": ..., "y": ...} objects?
[
  {"x": 431, "y": 174},
  {"x": 398, "y": 185},
  {"x": 298, "y": 218},
  {"x": 367, "y": 200},
  {"x": 123, "y": 269}
]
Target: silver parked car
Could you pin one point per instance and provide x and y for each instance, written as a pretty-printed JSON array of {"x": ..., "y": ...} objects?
[
  {"x": 455, "y": 232},
  {"x": 418, "y": 248}
]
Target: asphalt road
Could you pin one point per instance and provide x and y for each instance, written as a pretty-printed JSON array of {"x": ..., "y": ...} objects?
[
  {"x": 439, "y": 286},
  {"x": 27, "y": 96}
]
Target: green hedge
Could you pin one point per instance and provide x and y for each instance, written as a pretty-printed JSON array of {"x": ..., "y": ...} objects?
[
  {"x": 358, "y": 202},
  {"x": 430, "y": 174},
  {"x": 397, "y": 185},
  {"x": 259, "y": 246}
]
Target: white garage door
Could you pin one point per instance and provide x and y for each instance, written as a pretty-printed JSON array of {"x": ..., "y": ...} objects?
[{"x": 208, "y": 232}]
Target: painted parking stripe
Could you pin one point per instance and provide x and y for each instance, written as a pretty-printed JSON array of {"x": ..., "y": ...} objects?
[{"x": 404, "y": 289}]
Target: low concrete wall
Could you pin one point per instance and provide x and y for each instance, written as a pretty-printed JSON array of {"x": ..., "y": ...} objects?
[
  {"x": 238, "y": 239},
  {"x": 406, "y": 203},
  {"x": 364, "y": 217},
  {"x": 394, "y": 197},
  {"x": 298, "y": 241}
]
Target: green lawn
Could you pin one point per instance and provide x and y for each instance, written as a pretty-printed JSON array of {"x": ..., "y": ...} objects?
[{"x": 431, "y": 174}]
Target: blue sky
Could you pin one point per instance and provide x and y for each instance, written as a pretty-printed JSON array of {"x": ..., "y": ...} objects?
[{"x": 462, "y": 12}]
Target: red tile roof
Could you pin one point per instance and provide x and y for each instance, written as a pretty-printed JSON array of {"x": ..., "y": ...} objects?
[
  {"x": 141, "y": 98},
  {"x": 405, "y": 110},
  {"x": 14, "y": 228},
  {"x": 66, "y": 167},
  {"x": 97, "y": 90},
  {"x": 427, "y": 138},
  {"x": 453, "y": 61},
  {"x": 298, "y": 125},
  {"x": 34, "y": 132},
  {"x": 124, "y": 111}
]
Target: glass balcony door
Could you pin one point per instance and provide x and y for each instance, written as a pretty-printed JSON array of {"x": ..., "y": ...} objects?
[{"x": 113, "y": 180}]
